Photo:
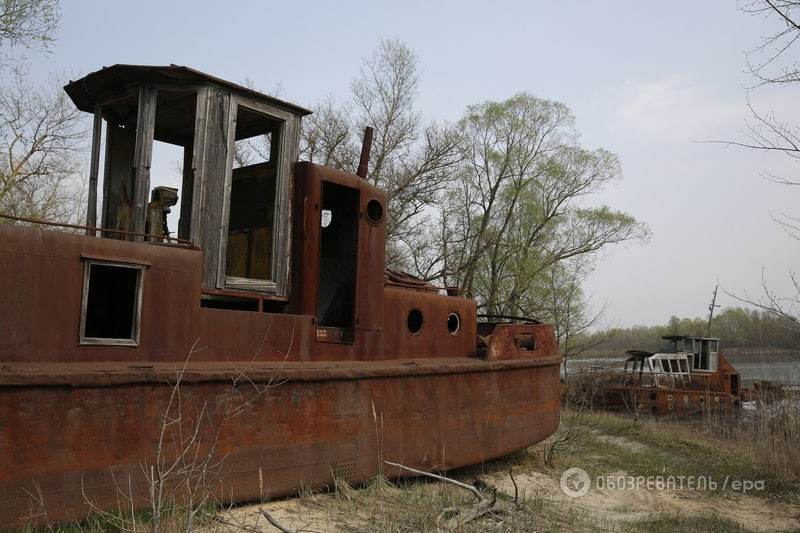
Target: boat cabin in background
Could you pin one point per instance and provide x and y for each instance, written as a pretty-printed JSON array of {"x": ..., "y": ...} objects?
[
  {"x": 689, "y": 375},
  {"x": 702, "y": 351}
]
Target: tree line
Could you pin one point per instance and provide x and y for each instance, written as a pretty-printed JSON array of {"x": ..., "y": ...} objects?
[{"x": 736, "y": 327}]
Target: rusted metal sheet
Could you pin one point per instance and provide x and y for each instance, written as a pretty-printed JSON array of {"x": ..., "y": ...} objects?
[
  {"x": 519, "y": 341},
  {"x": 714, "y": 391},
  {"x": 64, "y": 438}
]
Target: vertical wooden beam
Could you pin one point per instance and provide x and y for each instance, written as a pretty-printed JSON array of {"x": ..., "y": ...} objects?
[
  {"x": 145, "y": 125},
  {"x": 223, "y": 217},
  {"x": 210, "y": 200},
  {"x": 94, "y": 169},
  {"x": 118, "y": 178},
  {"x": 198, "y": 164}
]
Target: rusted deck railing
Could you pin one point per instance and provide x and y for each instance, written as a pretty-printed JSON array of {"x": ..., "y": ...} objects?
[{"x": 95, "y": 229}]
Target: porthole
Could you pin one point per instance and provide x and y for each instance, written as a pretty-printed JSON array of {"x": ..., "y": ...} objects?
[
  {"x": 453, "y": 323},
  {"x": 414, "y": 320},
  {"x": 374, "y": 211}
]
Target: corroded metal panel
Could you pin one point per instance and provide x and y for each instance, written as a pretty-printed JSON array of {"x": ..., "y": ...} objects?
[{"x": 69, "y": 439}]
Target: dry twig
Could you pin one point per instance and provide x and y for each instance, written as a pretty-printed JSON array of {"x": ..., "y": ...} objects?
[{"x": 463, "y": 515}]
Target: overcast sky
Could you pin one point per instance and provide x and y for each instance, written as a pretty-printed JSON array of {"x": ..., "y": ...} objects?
[{"x": 646, "y": 80}]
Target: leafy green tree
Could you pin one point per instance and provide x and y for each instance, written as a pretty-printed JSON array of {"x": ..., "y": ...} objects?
[
  {"x": 515, "y": 210},
  {"x": 496, "y": 205}
]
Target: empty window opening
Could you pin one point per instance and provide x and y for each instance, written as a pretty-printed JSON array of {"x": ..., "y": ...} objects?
[
  {"x": 111, "y": 304},
  {"x": 414, "y": 320},
  {"x": 252, "y": 196},
  {"x": 173, "y": 165},
  {"x": 453, "y": 323},
  {"x": 704, "y": 355},
  {"x": 165, "y": 184},
  {"x": 170, "y": 168},
  {"x": 338, "y": 256},
  {"x": 524, "y": 342}
]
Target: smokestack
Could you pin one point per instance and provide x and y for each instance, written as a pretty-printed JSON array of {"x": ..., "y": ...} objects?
[{"x": 366, "y": 147}]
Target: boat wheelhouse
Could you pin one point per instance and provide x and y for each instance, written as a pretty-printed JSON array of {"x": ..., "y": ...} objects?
[{"x": 688, "y": 375}]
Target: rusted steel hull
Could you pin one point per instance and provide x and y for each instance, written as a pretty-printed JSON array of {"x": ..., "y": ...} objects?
[
  {"x": 717, "y": 391},
  {"x": 670, "y": 401},
  {"x": 273, "y": 398},
  {"x": 86, "y": 433}
]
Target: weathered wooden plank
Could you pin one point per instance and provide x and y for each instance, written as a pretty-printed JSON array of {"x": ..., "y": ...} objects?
[
  {"x": 198, "y": 164},
  {"x": 118, "y": 177},
  {"x": 217, "y": 145},
  {"x": 145, "y": 125},
  {"x": 94, "y": 169}
]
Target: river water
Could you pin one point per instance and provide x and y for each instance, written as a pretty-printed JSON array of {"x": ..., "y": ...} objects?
[{"x": 780, "y": 368}]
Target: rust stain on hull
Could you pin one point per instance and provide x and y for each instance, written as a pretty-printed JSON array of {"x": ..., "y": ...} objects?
[{"x": 76, "y": 441}]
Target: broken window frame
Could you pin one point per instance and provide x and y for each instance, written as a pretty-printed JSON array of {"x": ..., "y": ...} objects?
[
  {"x": 147, "y": 110},
  {"x": 278, "y": 285},
  {"x": 135, "y": 337}
]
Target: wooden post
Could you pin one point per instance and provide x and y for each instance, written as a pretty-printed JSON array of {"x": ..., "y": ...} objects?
[
  {"x": 145, "y": 124},
  {"x": 198, "y": 165},
  {"x": 94, "y": 168}
]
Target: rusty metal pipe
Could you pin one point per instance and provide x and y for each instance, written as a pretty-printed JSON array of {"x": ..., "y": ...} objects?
[
  {"x": 366, "y": 148},
  {"x": 93, "y": 228}
]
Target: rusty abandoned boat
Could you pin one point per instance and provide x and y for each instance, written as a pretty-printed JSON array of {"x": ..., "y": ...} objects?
[
  {"x": 298, "y": 357},
  {"x": 689, "y": 375}
]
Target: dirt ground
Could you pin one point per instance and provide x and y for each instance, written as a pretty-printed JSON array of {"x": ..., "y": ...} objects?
[
  {"x": 608, "y": 510},
  {"x": 414, "y": 505}
]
